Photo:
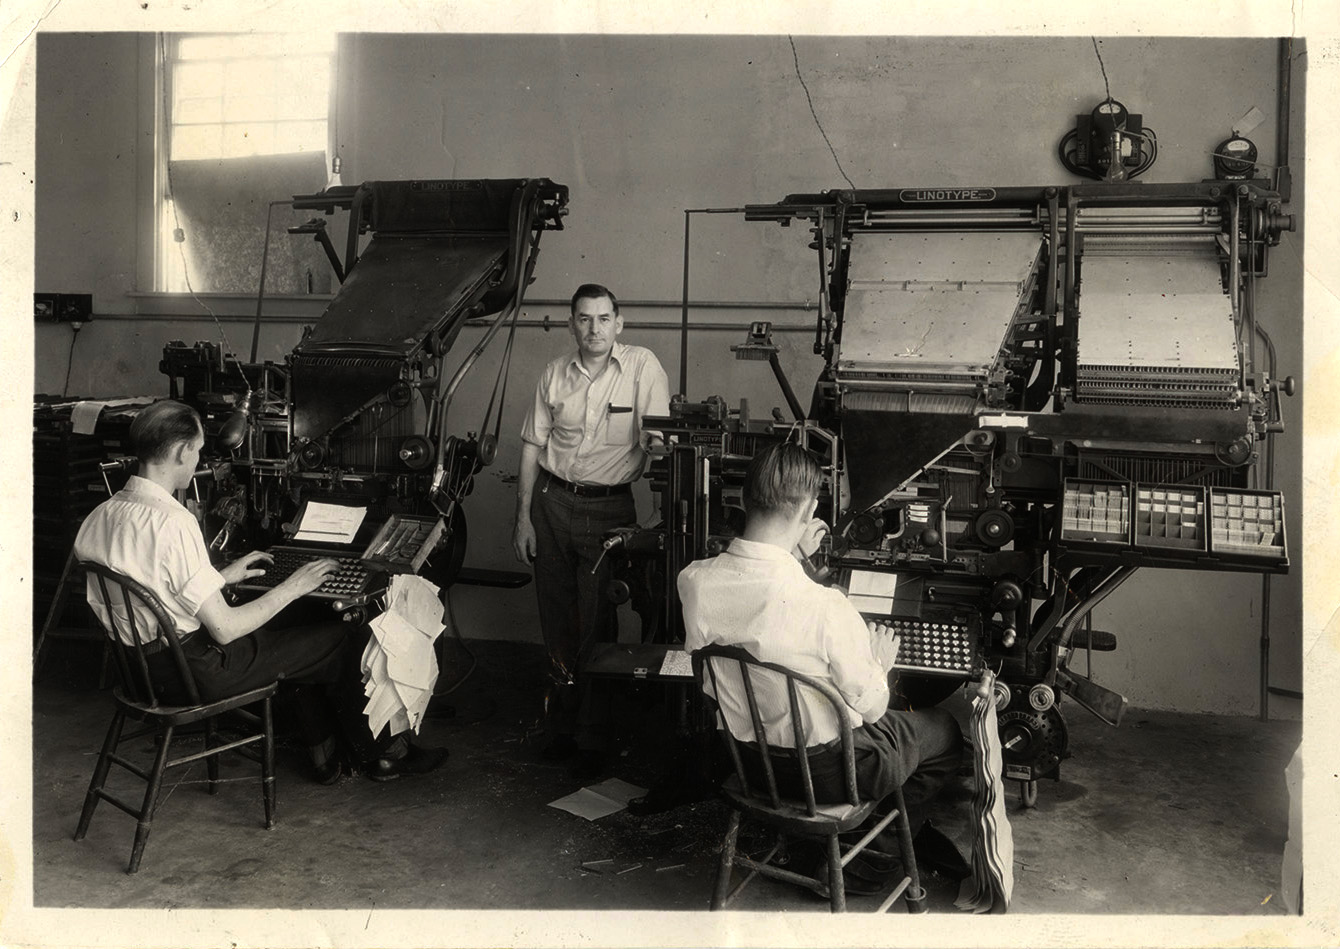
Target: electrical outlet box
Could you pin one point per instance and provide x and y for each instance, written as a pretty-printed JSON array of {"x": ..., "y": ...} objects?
[
  {"x": 45, "y": 306},
  {"x": 63, "y": 307},
  {"x": 75, "y": 307}
]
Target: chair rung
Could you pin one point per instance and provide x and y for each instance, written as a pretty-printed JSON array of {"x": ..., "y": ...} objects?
[
  {"x": 129, "y": 766},
  {"x": 893, "y": 897},
  {"x": 777, "y": 873},
  {"x": 860, "y": 845},
  {"x": 117, "y": 802},
  {"x": 216, "y": 750}
]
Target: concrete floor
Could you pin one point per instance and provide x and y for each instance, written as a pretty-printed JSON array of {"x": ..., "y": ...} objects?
[{"x": 1170, "y": 813}]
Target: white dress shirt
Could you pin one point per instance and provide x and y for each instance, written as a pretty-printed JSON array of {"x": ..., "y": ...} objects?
[
  {"x": 590, "y": 430},
  {"x": 757, "y": 595},
  {"x": 146, "y": 534}
]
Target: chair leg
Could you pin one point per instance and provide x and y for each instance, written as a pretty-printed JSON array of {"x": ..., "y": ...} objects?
[
  {"x": 837, "y": 892},
  {"x": 150, "y": 799},
  {"x": 727, "y": 861},
  {"x": 268, "y": 764},
  {"x": 100, "y": 772},
  {"x": 914, "y": 895},
  {"x": 212, "y": 762}
]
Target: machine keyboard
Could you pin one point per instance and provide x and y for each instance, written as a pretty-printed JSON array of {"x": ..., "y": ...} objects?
[
  {"x": 349, "y": 579},
  {"x": 941, "y": 645}
]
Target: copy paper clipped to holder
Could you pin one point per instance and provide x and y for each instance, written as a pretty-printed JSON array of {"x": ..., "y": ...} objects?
[{"x": 399, "y": 664}]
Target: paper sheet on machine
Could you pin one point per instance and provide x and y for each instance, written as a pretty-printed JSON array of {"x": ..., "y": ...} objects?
[{"x": 872, "y": 592}]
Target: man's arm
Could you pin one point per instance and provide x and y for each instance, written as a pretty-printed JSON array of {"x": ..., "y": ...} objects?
[
  {"x": 653, "y": 398},
  {"x": 855, "y": 660},
  {"x": 523, "y": 537},
  {"x": 227, "y": 623}
]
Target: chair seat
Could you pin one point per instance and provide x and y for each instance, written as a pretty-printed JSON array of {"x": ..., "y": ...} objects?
[
  {"x": 185, "y": 714},
  {"x": 828, "y": 819}
]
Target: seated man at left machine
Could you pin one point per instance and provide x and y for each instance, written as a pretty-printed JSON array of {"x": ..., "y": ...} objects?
[{"x": 144, "y": 532}]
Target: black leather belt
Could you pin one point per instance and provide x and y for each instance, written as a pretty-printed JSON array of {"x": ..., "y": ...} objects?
[{"x": 589, "y": 490}]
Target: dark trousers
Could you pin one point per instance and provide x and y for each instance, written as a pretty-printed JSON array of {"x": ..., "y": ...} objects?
[
  {"x": 319, "y": 665},
  {"x": 575, "y": 613},
  {"x": 915, "y": 750}
]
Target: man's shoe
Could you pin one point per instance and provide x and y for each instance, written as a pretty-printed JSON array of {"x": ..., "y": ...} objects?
[
  {"x": 418, "y": 760},
  {"x": 328, "y": 773}
]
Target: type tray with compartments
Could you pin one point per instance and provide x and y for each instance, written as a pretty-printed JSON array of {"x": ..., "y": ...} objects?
[
  {"x": 403, "y": 543},
  {"x": 1245, "y": 523},
  {"x": 1170, "y": 516},
  {"x": 1096, "y": 514}
]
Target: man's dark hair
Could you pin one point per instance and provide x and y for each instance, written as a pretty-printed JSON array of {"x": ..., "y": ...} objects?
[
  {"x": 779, "y": 478},
  {"x": 160, "y": 426},
  {"x": 593, "y": 291}
]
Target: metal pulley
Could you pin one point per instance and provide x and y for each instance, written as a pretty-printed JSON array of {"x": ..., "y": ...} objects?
[{"x": 416, "y": 452}]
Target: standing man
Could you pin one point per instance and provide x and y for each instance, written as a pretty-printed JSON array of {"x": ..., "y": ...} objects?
[{"x": 582, "y": 448}]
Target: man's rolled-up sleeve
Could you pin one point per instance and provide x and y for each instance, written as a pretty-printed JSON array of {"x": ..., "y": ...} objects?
[
  {"x": 190, "y": 573},
  {"x": 653, "y": 396},
  {"x": 539, "y": 420},
  {"x": 856, "y": 672}
]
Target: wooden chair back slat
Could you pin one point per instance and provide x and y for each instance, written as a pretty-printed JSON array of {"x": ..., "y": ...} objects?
[
  {"x": 136, "y": 678},
  {"x": 704, "y": 668}
]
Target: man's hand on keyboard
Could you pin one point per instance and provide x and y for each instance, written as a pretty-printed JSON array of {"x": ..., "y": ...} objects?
[
  {"x": 309, "y": 576},
  {"x": 885, "y": 643},
  {"x": 247, "y": 566}
]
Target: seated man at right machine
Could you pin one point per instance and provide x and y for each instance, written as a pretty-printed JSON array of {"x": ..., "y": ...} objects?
[{"x": 757, "y": 595}]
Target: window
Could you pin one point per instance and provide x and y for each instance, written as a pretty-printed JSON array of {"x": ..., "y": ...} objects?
[
  {"x": 234, "y": 95},
  {"x": 246, "y": 120}
]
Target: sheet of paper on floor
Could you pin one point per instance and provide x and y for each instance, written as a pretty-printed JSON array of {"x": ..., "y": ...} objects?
[{"x": 599, "y": 800}]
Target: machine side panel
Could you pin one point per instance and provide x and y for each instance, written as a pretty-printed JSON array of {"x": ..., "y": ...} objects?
[{"x": 402, "y": 289}]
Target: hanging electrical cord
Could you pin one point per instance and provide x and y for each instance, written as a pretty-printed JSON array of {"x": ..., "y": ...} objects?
[
  {"x": 456, "y": 632},
  {"x": 69, "y": 362},
  {"x": 1091, "y": 159}
]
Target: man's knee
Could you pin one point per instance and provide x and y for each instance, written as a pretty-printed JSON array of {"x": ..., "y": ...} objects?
[{"x": 940, "y": 733}]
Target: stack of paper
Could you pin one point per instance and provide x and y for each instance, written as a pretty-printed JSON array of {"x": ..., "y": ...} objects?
[
  {"x": 399, "y": 664},
  {"x": 991, "y": 885}
]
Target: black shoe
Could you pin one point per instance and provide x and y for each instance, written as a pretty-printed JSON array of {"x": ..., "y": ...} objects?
[
  {"x": 418, "y": 760},
  {"x": 328, "y": 773},
  {"x": 559, "y": 748},
  {"x": 590, "y": 764},
  {"x": 937, "y": 852},
  {"x": 874, "y": 870}
]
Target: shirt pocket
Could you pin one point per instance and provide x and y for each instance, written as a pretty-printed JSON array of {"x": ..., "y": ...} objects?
[{"x": 619, "y": 424}]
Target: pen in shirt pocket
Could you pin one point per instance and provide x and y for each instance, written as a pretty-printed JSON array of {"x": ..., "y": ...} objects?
[{"x": 617, "y": 409}]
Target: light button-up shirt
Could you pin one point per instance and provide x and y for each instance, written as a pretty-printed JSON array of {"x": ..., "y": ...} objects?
[
  {"x": 589, "y": 429},
  {"x": 758, "y": 596},
  {"x": 145, "y": 533}
]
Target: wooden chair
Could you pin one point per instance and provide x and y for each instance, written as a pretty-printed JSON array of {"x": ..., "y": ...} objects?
[
  {"x": 137, "y": 697},
  {"x": 800, "y": 817}
]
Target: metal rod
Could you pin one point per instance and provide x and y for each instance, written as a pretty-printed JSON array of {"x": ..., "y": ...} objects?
[
  {"x": 260, "y": 293},
  {"x": 684, "y": 315},
  {"x": 1283, "y": 108},
  {"x": 787, "y": 392}
]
